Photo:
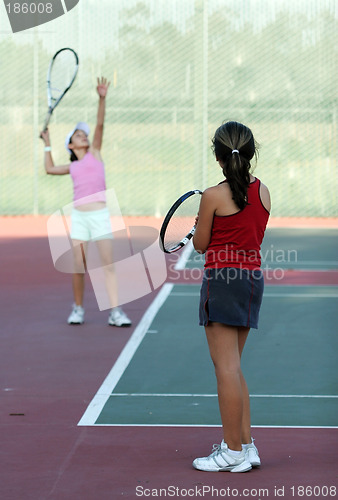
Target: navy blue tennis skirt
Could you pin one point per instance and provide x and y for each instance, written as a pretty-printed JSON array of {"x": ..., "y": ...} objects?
[{"x": 231, "y": 296}]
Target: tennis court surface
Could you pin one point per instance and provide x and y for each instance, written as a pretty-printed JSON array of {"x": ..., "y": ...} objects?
[{"x": 99, "y": 412}]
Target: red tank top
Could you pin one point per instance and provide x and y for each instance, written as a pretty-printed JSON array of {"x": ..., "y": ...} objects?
[{"x": 236, "y": 239}]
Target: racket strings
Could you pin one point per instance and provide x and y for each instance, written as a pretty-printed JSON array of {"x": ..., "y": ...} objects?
[
  {"x": 55, "y": 90},
  {"x": 62, "y": 73}
]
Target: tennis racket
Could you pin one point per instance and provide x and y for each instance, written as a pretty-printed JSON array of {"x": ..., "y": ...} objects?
[
  {"x": 178, "y": 226},
  {"x": 60, "y": 77}
]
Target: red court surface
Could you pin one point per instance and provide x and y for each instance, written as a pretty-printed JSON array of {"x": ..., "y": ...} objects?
[{"x": 50, "y": 372}]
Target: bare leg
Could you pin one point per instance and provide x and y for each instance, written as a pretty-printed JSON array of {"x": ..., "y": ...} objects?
[
  {"x": 226, "y": 344},
  {"x": 105, "y": 248},
  {"x": 78, "y": 288},
  {"x": 246, "y": 420},
  {"x": 79, "y": 254}
]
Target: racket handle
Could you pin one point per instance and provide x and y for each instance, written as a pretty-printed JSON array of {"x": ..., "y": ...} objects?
[{"x": 47, "y": 119}]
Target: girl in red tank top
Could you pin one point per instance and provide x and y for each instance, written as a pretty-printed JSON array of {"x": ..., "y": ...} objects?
[{"x": 230, "y": 228}]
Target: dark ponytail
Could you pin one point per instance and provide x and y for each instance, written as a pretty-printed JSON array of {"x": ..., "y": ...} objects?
[
  {"x": 73, "y": 156},
  {"x": 234, "y": 146},
  {"x": 236, "y": 171}
]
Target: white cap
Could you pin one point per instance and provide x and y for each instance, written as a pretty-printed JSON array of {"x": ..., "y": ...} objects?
[{"x": 79, "y": 126}]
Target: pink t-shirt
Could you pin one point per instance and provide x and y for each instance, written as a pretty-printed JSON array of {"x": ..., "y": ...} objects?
[{"x": 88, "y": 180}]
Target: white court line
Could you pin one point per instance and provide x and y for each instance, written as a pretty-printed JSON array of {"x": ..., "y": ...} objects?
[
  {"x": 155, "y": 395},
  {"x": 184, "y": 257},
  {"x": 282, "y": 294},
  {"x": 305, "y": 265},
  {"x": 305, "y": 262},
  {"x": 202, "y": 426},
  {"x": 96, "y": 405},
  {"x": 299, "y": 262}
]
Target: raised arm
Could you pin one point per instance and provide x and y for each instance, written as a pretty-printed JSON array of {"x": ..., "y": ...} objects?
[
  {"x": 48, "y": 160},
  {"x": 102, "y": 89}
]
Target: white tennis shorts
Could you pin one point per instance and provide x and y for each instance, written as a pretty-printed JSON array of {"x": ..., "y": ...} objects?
[{"x": 92, "y": 225}]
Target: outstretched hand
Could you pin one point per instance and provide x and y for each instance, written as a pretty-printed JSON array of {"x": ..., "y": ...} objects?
[{"x": 102, "y": 86}]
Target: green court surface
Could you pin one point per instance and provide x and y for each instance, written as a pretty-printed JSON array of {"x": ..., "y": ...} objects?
[
  {"x": 293, "y": 248},
  {"x": 288, "y": 364}
]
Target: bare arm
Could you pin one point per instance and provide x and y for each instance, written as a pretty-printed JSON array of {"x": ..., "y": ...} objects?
[
  {"x": 205, "y": 219},
  {"x": 102, "y": 89},
  {"x": 265, "y": 197},
  {"x": 50, "y": 168}
]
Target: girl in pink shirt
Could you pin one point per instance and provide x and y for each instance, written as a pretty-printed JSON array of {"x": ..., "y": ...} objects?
[{"x": 90, "y": 216}]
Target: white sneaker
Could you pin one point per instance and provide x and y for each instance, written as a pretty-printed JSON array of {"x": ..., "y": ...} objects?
[
  {"x": 76, "y": 316},
  {"x": 221, "y": 460},
  {"x": 118, "y": 318},
  {"x": 251, "y": 454}
]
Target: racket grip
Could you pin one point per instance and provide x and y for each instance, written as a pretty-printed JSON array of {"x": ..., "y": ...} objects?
[{"x": 47, "y": 119}]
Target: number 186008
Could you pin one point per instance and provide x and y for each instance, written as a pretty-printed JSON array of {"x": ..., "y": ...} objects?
[
  {"x": 313, "y": 491},
  {"x": 29, "y": 8}
]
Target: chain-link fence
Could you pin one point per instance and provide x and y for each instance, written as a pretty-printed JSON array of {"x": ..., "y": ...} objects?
[{"x": 179, "y": 68}]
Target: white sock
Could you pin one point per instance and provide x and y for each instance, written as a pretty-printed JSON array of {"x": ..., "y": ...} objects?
[
  {"x": 245, "y": 446},
  {"x": 234, "y": 453}
]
